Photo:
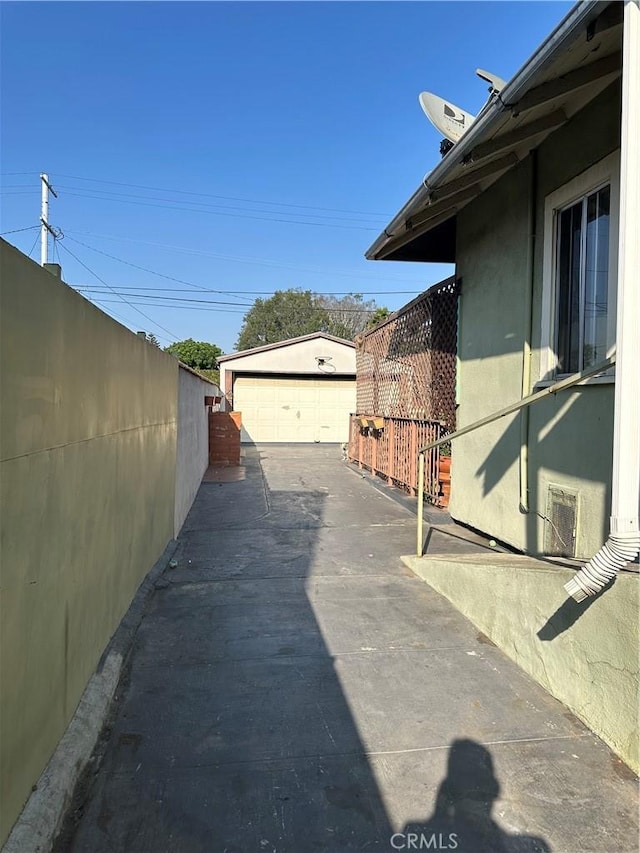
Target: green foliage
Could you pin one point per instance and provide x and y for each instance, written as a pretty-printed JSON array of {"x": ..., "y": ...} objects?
[
  {"x": 213, "y": 375},
  {"x": 293, "y": 313},
  {"x": 286, "y": 314},
  {"x": 378, "y": 316},
  {"x": 348, "y": 315},
  {"x": 200, "y": 355}
]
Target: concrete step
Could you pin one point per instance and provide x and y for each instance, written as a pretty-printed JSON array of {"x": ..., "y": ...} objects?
[{"x": 583, "y": 654}]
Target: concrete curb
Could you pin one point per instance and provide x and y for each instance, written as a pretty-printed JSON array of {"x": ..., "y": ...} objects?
[{"x": 42, "y": 817}]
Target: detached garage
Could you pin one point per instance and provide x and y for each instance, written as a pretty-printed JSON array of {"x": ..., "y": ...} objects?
[{"x": 300, "y": 390}]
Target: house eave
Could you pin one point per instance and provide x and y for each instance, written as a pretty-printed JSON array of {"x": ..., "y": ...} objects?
[
  {"x": 506, "y": 129},
  {"x": 279, "y": 344}
]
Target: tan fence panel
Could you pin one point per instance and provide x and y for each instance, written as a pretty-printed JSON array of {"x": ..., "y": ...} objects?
[
  {"x": 406, "y": 389},
  {"x": 406, "y": 367}
]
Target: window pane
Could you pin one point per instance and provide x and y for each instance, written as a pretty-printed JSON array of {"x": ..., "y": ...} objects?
[
  {"x": 596, "y": 277},
  {"x": 568, "y": 288}
]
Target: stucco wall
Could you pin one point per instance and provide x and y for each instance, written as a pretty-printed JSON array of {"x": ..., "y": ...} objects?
[
  {"x": 491, "y": 265},
  {"x": 586, "y": 655},
  {"x": 88, "y": 461},
  {"x": 192, "y": 456},
  {"x": 571, "y": 434},
  {"x": 295, "y": 358}
]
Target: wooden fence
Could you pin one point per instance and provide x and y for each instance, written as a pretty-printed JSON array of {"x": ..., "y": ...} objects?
[
  {"x": 389, "y": 448},
  {"x": 406, "y": 366}
]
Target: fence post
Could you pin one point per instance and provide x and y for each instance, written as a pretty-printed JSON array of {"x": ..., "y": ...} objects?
[
  {"x": 360, "y": 454},
  {"x": 420, "y": 542},
  {"x": 374, "y": 454},
  {"x": 413, "y": 474},
  {"x": 392, "y": 451},
  {"x": 351, "y": 446}
]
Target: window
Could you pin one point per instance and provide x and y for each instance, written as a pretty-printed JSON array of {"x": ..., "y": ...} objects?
[
  {"x": 582, "y": 283},
  {"x": 580, "y": 271}
]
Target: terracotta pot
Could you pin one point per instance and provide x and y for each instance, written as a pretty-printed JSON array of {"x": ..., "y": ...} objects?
[
  {"x": 444, "y": 480},
  {"x": 443, "y": 500}
]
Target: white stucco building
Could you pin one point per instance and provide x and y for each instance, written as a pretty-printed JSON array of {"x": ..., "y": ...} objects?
[{"x": 299, "y": 390}]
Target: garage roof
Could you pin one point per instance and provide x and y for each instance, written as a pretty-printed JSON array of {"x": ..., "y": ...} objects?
[
  {"x": 289, "y": 342},
  {"x": 580, "y": 58}
]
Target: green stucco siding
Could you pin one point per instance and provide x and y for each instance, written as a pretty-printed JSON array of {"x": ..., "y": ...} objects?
[
  {"x": 491, "y": 265},
  {"x": 584, "y": 655},
  {"x": 570, "y": 435}
]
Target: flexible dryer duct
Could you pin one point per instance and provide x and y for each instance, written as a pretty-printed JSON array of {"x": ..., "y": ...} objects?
[{"x": 617, "y": 551}]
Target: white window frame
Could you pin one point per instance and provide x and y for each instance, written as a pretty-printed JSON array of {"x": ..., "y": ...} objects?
[{"x": 606, "y": 171}]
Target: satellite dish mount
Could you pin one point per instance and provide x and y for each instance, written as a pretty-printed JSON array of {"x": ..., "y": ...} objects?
[{"x": 451, "y": 121}]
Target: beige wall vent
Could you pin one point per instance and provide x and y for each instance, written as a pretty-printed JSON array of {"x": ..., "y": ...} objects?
[{"x": 561, "y": 523}]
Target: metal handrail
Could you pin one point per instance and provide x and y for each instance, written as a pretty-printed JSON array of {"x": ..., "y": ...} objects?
[{"x": 567, "y": 382}]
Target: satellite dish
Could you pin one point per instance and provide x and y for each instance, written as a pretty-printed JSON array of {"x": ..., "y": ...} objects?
[
  {"x": 496, "y": 84},
  {"x": 450, "y": 120}
]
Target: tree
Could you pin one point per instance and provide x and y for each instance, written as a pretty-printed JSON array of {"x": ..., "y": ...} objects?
[
  {"x": 293, "y": 313},
  {"x": 149, "y": 338},
  {"x": 286, "y": 314},
  {"x": 199, "y": 355},
  {"x": 350, "y": 314},
  {"x": 378, "y": 316}
]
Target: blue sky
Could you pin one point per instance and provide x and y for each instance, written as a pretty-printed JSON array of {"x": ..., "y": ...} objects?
[{"x": 238, "y": 147}]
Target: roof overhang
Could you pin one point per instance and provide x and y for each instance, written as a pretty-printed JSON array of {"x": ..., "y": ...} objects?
[
  {"x": 286, "y": 343},
  {"x": 580, "y": 58}
]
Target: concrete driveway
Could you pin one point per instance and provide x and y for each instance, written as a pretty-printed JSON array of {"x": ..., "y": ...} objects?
[{"x": 293, "y": 689}]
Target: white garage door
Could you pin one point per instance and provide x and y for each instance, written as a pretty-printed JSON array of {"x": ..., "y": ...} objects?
[{"x": 294, "y": 409}]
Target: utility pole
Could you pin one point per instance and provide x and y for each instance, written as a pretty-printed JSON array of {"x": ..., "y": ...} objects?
[{"x": 45, "y": 228}]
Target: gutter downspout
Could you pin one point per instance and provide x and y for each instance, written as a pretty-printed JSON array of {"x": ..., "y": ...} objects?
[
  {"x": 526, "y": 347},
  {"x": 623, "y": 543}
]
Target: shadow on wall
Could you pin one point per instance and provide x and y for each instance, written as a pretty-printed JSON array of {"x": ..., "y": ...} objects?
[
  {"x": 557, "y": 448},
  {"x": 568, "y": 614}
]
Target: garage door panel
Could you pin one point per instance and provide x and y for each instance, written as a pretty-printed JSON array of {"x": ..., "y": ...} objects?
[{"x": 286, "y": 409}]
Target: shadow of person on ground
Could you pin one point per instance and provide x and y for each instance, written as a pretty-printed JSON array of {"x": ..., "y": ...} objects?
[{"x": 462, "y": 818}]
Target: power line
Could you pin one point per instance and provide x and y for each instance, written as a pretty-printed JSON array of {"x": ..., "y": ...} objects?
[
  {"x": 239, "y": 311},
  {"x": 146, "y": 316},
  {"x": 238, "y": 308},
  {"x": 35, "y": 243},
  {"x": 152, "y": 272},
  {"x": 114, "y": 314},
  {"x": 214, "y": 290},
  {"x": 18, "y": 230},
  {"x": 224, "y": 213},
  {"x": 212, "y": 195},
  {"x": 262, "y": 292},
  {"x": 169, "y": 298},
  {"x": 107, "y": 194},
  {"x": 247, "y": 260}
]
